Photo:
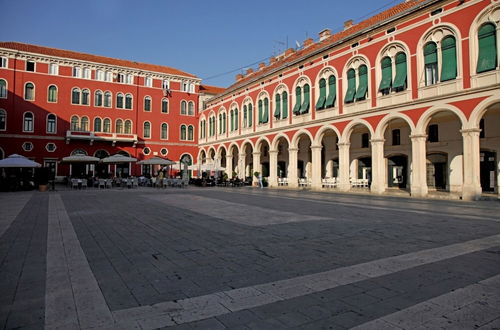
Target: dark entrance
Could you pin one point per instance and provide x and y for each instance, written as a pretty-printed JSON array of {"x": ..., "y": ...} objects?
[
  {"x": 397, "y": 169},
  {"x": 281, "y": 169},
  {"x": 488, "y": 172},
  {"x": 437, "y": 168},
  {"x": 365, "y": 169},
  {"x": 300, "y": 169},
  {"x": 101, "y": 170}
]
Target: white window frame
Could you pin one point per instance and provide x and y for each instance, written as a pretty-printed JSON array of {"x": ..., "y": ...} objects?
[
  {"x": 86, "y": 74},
  {"x": 34, "y": 65},
  {"x": 32, "y": 122},
  {"x": 148, "y": 82},
  {"x": 6, "y": 90},
  {"x": 5, "y": 113},
  {"x": 4, "y": 63},
  {"x": 161, "y": 124},
  {"x": 47, "y": 124},
  {"x": 54, "y": 69},
  {"x": 108, "y": 76},
  {"x": 77, "y": 72},
  {"x": 143, "y": 130},
  {"x": 28, "y": 143}
]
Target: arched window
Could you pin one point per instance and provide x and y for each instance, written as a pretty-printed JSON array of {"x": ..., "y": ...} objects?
[
  {"x": 29, "y": 92},
  {"x": 164, "y": 106},
  {"x": 191, "y": 108},
  {"x": 119, "y": 101},
  {"x": 236, "y": 119},
  {"x": 191, "y": 133},
  {"x": 284, "y": 108},
  {"x": 75, "y": 96},
  {"x": 128, "y": 101},
  {"x": 277, "y": 106},
  {"x": 431, "y": 63},
  {"x": 98, "y": 99},
  {"x": 265, "y": 113},
  {"x": 332, "y": 92},
  {"x": 363, "y": 83},
  {"x": 322, "y": 94},
  {"x": 3, "y": 89},
  {"x": 3, "y": 120},
  {"x": 84, "y": 124},
  {"x": 74, "y": 125},
  {"x": 231, "y": 119},
  {"x": 183, "y": 108},
  {"x": 351, "y": 86},
  {"x": 164, "y": 131},
  {"x": 298, "y": 100},
  {"x": 119, "y": 126},
  {"x": 128, "y": 127},
  {"x": 147, "y": 103},
  {"x": 97, "y": 124},
  {"x": 51, "y": 123},
  {"x": 220, "y": 123},
  {"x": 386, "y": 81},
  {"x": 52, "y": 95},
  {"x": 107, "y": 99},
  {"x": 245, "y": 118},
  {"x": 250, "y": 117},
  {"x": 487, "y": 39},
  {"x": 28, "y": 122},
  {"x": 202, "y": 129},
  {"x": 449, "y": 58},
  {"x": 401, "y": 78},
  {"x": 147, "y": 130},
  {"x": 85, "y": 97},
  {"x": 106, "y": 125},
  {"x": 183, "y": 132}
]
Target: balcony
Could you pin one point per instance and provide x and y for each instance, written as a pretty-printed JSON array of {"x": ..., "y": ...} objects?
[{"x": 100, "y": 136}]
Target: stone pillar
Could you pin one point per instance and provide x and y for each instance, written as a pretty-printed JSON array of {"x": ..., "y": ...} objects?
[
  {"x": 471, "y": 181},
  {"x": 316, "y": 167},
  {"x": 418, "y": 186},
  {"x": 241, "y": 166},
  {"x": 257, "y": 167},
  {"x": 229, "y": 166},
  {"x": 378, "y": 166},
  {"x": 344, "y": 170},
  {"x": 293, "y": 180},
  {"x": 273, "y": 168}
]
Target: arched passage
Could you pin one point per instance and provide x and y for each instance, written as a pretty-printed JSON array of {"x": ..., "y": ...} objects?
[
  {"x": 489, "y": 140},
  {"x": 360, "y": 165}
]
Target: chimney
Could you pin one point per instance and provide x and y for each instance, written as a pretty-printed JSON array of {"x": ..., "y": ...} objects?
[
  {"x": 324, "y": 34},
  {"x": 289, "y": 51},
  {"x": 262, "y": 65},
  {"x": 249, "y": 71},
  {"x": 272, "y": 60},
  {"x": 348, "y": 24},
  {"x": 308, "y": 42},
  {"x": 239, "y": 76}
]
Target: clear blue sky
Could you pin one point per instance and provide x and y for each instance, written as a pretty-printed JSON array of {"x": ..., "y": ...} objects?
[{"x": 205, "y": 38}]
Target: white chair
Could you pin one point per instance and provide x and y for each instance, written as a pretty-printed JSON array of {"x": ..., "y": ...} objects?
[
  {"x": 109, "y": 183},
  {"x": 84, "y": 183},
  {"x": 102, "y": 183},
  {"x": 74, "y": 183},
  {"x": 135, "y": 183}
]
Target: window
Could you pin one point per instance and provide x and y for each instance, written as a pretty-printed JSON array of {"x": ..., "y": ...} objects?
[
  {"x": 165, "y": 84},
  {"x": 99, "y": 75},
  {"x": 53, "y": 69},
  {"x": 119, "y": 126},
  {"x": 322, "y": 95},
  {"x": 52, "y": 94},
  {"x": 401, "y": 78},
  {"x": 263, "y": 105},
  {"x": 431, "y": 63},
  {"x": 109, "y": 76},
  {"x": 130, "y": 79},
  {"x": 146, "y": 151},
  {"x": 147, "y": 103},
  {"x": 332, "y": 92},
  {"x": 183, "y": 132},
  {"x": 163, "y": 151},
  {"x": 121, "y": 78},
  {"x": 351, "y": 86},
  {"x": 75, "y": 96},
  {"x": 28, "y": 122},
  {"x": 362, "y": 90},
  {"x": 86, "y": 73},
  {"x": 77, "y": 72},
  {"x": 224, "y": 122},
  {"x": 236, "y": 119},
  {"x": 106, "y": 125},
  {"x": 191, "y": 108},
  {"x": 119, "y": 101},
  {"x": 365, "y": 140},
  {"x": 51, "y": 123},
  {"x": 85, "y": 97},
  {"x": 148, "y": 82},
  {"x": 128, "y": 101},
  {"x": 183, "y": 108},
  {"x": 191, "y": 132},
  {"x": 191, "y": 88},
  {"x": 3, "y": 89},
  {"x": 396, "y": 137},
  {"x": 147, "y": 130},
  {"x": 107, "y": 99},
  {"x": 164, "y": 106},
  {"x": 488, "y": 57},
  {"x": 128, "y": 127},
  {"x": 184, "y": 86},
  {"x": 50, "y": 147},
  {"x": 3, "y": 62},
  {"x": 449, "y": 58},
  {"x": 386, "y": 81},
  {"x": 74, "y": 123},
  {"x": 97, "y": 124},
  {"x": 433, "y": 134},
  {"x": 29, "y": 92},
  {"x": 202, "y": 129},
  {"x": 84, "y": 124},
  {"x": 30, "y": 66},
  {"x": 27, "y": 146},
  {"x": 3, "y": 120},
  {"x": 98, "y": 99},
  {"x": 164, "y": 131}
]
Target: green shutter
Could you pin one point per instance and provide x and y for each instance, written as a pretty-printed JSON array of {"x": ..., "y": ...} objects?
[
  {"x": 284, "y": 98},
  {"x": 260, "y": 111},
  {"x": 332, "y": 92},
  {"x": 250, "y": 115},
  {"x": 401, "y": 73},
  {"x": 265, "y": 115},
  {"x": 487, "y": 59},
  {"x": 236, "y": 120},
  {"x": 363, "y": 83},
  {"x": 449, "y": 59},
  {"x": 232, "y": 120},
  {"x": 305, "y": 104},
  {"x": 298, "y": 101},
  {"x": 277, "y": 106},
  {"x": 386, "y": 81},
  {"x": 351, "y": 86},
  {"x": 245, "y": 116},
  {"x": 430, "y": 53},
  {"x": 322, "y": 94}
]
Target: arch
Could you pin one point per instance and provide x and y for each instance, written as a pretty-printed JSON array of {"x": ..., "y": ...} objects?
[
  {"x": 427, "y": 116},
  {"x": 232, "y": 146},
  {"x": 280, "y": 88},
  {"x": 28, "y": 121},
  {"x": 119, "y": 126},
  {"x": 202, "y": 154},
  {"x": 29, "y": 91},
  {"x": 258, "y": 143},
  {"x": 52, "y": 93},
  {"x": 51, "y": 123},
  {"x": 382, "y": 125},
  {"x": 219, "y": 151},
  {"x": 274, "y": 144},
  {"x": 245, "y": 143},
  {"x": 480, "y": 110},
  {"x": 106, "y": 125},
  {"x": 101, "y": 153},
  {"x": 321, "y": 133},
  {"x": 146, "y": 130},
  {"x": 127, "y": 126},
  {"x": 78, "y": 151},
  {"x": 346, "y": 134},
  {"x": 298, "y": 134},
  {"x": 211, "y": 151},
  {"x": 3, "y": 88}
]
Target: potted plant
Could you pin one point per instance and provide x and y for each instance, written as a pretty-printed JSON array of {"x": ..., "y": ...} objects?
[{"x": 43, "y": 179}]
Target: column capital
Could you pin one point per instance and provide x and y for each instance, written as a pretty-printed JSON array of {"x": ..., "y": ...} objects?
[
  {"x": 229, "y": 156},
  {"x": 377, "y": 140},
  {"x": 316, "y": 147},
  {"x": 257, "y": 153},
  {"x": 274, "y": 151},
  {"x": 470, "y": 130},
  {"x": 344, "y": 144},
  {"x": 293, "y": 149},
  {"x": 418, "y": 136}
]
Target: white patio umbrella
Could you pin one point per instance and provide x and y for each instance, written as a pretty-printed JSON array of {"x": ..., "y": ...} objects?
[
  {"x": 156, "y": 161},
  {"x": 79, "y": 159},
  {"x": 16, "y": 160},
  {"x": 118, "y": 159}
]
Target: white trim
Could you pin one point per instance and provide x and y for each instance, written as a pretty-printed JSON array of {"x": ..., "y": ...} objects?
[
  {"x": 47, "y": 124},
  {"x": 32, "y": 122}
]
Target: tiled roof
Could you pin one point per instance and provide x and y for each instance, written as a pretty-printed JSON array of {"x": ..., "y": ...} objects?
[
  {"x": 92, "y": 58},
  {"x": 213, "y": 90},
  {"x": 378, "y": 18}
]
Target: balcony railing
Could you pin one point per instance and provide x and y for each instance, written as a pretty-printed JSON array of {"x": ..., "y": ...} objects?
[{"x": 100, "y": 136}]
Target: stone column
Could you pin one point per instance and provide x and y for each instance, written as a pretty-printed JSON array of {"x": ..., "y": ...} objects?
[
  {"x": 273, "y": 168},
  {"x": 344, "y": 170},
  {"x": 257, "y": 167},
  {"x": 378, "y": 166},
  {"x": 241, "y": 166},
  {"x": 471, "y": 181},
  {"x": 316, "y": 167},
  {"x": 292, "y": 167},
  {"x": 418, "y": 186},
  {"x": 229, "y": 166}
]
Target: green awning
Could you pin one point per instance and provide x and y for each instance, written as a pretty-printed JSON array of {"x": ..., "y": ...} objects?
[
  {"x": 265, "y": 115},
  {"x": 322, "y": 95},
  {"x": 277, "y": 106},
  {"x": 332, "y": 92},
  {"x": 284, "y": 98},
  {"x": 351, "y": 86},
  {"x": 488, "y": 57},
  {"x": 401, "y": 73},
  {"x": 250, "y": 115},
  {"x": 298, "y": 102},
  {"x": 386, "y": 81},
  {"x": 430, "y": 53},
  {"x": 449, "y": 60},
  {"x": 363, "y": 83},
  {"x": 305, "y": 105},
  {"x": 260, "y": 111}
]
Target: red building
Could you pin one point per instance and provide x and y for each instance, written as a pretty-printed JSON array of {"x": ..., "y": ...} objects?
[{"x": 55, "y": 103}]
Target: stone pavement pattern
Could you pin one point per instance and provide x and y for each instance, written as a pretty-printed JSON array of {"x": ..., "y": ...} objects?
[{"x": 246, "y": 259}]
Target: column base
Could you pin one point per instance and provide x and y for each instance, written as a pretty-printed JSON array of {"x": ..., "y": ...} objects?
[
  {"x": 379, "y": 190},
  {"x": 471, "y": 193},
  {"x": 418, "y": 192},
  {"x": 344, "y": 186}
]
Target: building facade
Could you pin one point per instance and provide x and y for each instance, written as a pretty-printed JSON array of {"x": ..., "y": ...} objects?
[
  {"x": 408, "y": 99},
  {"x": 55, "y": 103}
]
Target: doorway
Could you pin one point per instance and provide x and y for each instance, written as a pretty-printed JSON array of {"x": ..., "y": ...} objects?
[{"x": 488, "y": 170}]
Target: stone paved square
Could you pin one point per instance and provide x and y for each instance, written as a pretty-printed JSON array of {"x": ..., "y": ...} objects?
[{"x": 244, "y": 258}]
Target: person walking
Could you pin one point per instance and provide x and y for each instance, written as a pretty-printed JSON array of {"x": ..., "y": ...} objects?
[{"x": 260, "y": 181}]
